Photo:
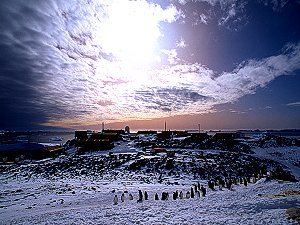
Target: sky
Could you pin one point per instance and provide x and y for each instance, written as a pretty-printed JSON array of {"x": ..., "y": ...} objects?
[{"x": 224, "y": 64}]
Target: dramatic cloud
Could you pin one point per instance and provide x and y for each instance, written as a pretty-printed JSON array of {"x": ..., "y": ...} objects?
[
  {"x": 83, "y": 62},
  {"x": 174, "y": 90},
  {"x": 250, "y": 75},
  {"x": 229, "y": 13}
]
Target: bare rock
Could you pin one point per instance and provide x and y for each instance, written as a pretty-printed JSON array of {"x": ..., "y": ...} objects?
[{"x": 294, "y": 213}]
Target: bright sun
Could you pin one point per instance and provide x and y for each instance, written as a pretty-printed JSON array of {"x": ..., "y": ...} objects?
[{"x": 130, "y": 33}]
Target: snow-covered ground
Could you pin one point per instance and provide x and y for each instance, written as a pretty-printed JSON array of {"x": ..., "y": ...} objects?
[
  {"x": 287, "y": 156},
  {"x": 89, "y": 200}
]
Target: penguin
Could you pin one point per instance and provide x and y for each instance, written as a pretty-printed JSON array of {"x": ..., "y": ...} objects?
[
  {"x": 146, "y": 195},
  {"x": 180, "y": 195},
  {"x": 254, "y": 180},
  {"x": 220, "y": 184},
  {"x": 192, "y": 192},
  {"x": 174, "y": 196},
  {"x": 188, "y": 195},
  {"x": 115, "y": 200},
  {"x": 211, "y": 184},
  {"x": 140, "y": 195},
  {"x": 196, "y": 188},
  {"x": 203, "y": 190},
  {"x": 165, "y": 196},
  {"x": 241, "y": 180},
  {"x": 122, "y": 197},
  {"x": 235, "y": 181}
]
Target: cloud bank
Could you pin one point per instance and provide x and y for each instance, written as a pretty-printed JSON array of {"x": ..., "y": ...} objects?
[{"x": 64, "y": 65}]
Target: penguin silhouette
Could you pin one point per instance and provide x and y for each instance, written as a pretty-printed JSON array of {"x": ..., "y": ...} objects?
[
  {"x": 180, "y": 195},
  {"x": 115, "y": 200},
  {"x": 146, "y": 195},
  {"x": 188, "y": 195},
  {"x": 122, "y": 197}
]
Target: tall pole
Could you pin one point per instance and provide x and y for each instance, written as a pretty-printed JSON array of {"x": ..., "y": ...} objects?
[
  {"x": 199, "y": 128},
  {"x": 102, "y": 127},
  {"x": 165, "y": 125}
]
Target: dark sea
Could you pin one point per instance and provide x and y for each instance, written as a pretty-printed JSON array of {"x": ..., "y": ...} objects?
[{"x": 49, "y": 137}]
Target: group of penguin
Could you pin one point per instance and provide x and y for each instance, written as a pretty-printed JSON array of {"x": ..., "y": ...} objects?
[{"x": 196, "y": 190}]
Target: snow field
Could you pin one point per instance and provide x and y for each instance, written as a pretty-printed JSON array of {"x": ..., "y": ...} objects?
[{"x": 88, "y": 200}]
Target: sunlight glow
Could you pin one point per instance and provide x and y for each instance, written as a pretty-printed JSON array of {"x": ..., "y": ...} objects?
[{"x": 131, "y": 32}]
